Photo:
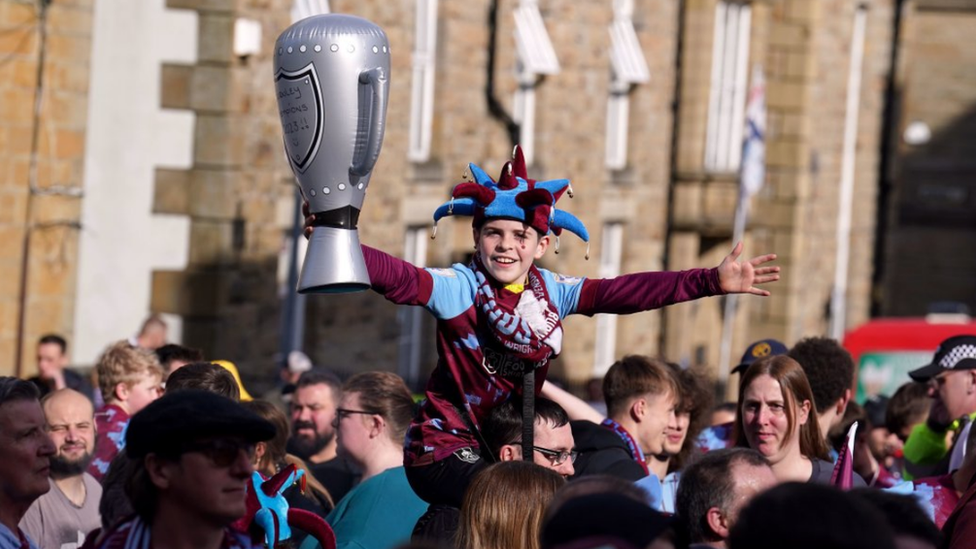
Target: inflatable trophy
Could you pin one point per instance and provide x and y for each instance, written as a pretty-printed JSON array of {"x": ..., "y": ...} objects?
[{"x": 332, "y": 75}]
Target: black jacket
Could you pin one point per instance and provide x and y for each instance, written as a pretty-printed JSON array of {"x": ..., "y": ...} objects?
[{"x": 603, "y": 452}]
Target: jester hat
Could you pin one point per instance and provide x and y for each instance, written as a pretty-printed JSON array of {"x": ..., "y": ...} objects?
[{"x": 513, "y": 196}]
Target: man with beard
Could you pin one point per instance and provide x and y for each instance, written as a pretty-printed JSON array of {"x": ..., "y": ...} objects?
[
  {"x": 313, "y": 411},
  {"x": 61, "y": 518}
]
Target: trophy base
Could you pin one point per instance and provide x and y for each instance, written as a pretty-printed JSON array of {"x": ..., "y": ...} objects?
[{"x": 333, "y": 263}]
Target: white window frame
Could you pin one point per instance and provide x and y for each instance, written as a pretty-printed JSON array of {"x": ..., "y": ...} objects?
[
  {"x": 629, "y": 69},
  {"x": 536, "y": 57},
  {"x": 422, "y": 93},
  {"x": 611, "y": 255},
  {"x": 727, "y": 94},
  {"x": 300, "y": 9},
  {"x": 411, "y": 318}
]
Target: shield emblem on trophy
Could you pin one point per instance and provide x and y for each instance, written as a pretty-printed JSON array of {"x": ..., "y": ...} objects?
[{"x": 302, "y": 117}]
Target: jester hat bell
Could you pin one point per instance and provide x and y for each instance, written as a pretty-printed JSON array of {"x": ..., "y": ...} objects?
[{"x": 513, "y": 196}]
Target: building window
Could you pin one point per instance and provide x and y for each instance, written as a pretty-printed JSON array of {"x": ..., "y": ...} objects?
[
  {"x": 629, "y": 69},
  {"x": 411, "y": 318},
  {"x": 727, "y": 95},
  {"x": 606, "y": 325},
  {"x": 300, "y": 9},
  {"x": 536, "y": 58},
  {"x": 422, "y": 92}
]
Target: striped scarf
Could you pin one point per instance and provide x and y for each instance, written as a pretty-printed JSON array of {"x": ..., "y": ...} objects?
[{"x": 533, "y": 333}]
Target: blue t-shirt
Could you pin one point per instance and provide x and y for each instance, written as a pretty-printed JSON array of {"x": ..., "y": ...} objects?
[
  {"x": 11, "y": 540},
  {"x": 380, "y": 513}
]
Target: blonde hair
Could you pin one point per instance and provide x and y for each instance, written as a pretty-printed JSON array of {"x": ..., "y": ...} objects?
[
  {"x": 504, "y": 505},
  {"x": 123, "y": 363}
]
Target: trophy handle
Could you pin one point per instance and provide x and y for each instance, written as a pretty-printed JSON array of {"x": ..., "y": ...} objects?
[{"x": 377, "y": 80}]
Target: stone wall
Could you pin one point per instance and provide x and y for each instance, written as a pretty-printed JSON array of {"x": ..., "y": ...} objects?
[{"x": 42, "y": 144}]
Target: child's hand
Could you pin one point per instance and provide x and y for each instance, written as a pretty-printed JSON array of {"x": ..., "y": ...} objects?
[
  {"x": 309, "y": 219},
  {"x": 740, "y": 278}
]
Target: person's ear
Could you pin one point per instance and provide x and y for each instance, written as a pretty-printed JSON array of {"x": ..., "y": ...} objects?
[
  {"x": 804, "y": 413},
  {"x": 160, "y": 471},
  {"x": 638, "y": 408},
  {"x": 259, "y": 449},
  {"x": 121, "y": 391},
  {"x": 717, "y": 522},
  {"x": 542, "y": 246},
  {"x": 377, "y": 424},
  {"x": 842, "y": 403},
  {"x": 474, "y": 236},
  {"x": 508, "y": 452}
]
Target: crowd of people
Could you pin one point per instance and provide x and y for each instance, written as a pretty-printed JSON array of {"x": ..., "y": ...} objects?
[{"x": 167, "y": 449}]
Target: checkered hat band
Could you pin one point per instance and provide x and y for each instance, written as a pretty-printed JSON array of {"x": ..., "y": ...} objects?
[{"x": 957, "y": 354}]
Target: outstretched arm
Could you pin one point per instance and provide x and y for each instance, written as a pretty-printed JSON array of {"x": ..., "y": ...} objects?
[{"x": 741, "y": 277}]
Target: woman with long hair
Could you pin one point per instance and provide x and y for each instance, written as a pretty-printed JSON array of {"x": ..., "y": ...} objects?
[
  {"x": 504, "y": 506},
  {"x": 776, "y": 416}
]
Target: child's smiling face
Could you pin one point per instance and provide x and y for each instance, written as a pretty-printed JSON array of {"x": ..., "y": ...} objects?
[{"x": 508, "y": 248}]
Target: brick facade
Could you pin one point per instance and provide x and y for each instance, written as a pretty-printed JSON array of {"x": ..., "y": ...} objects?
[{"x": 40, "y": 180}]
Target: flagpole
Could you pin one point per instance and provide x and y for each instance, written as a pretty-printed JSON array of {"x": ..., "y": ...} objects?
[
  {"x": 752, "y": 175},
  {"x": 732, "y": 300}
]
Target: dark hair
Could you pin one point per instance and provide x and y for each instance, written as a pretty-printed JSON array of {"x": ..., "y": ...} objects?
[
  {"x": 171, "y": 351},
  {"x": 905, "y": 516},
  {"x": 142, "y": 492},
  {"x": 13, "y": 389},
  {"x": 386, "y": 394},
  {"x": 595, "y": 484},
  {"x": 205, "y": 376},
  {"x": 695, "y": 399},
  {"x": 633, "y": 376},
  {"x": 909, "y": 405},
  {"x": 725, "y": 407},
  {"x": 829, "y": 369},
  {"x": 319, "y": 376},
  {"x": 115, "y": 504},
  {"x": 793, "y": 383},
  {"x": 503, "y": 424},
  {"x": 54, "y": 339},
  {"x": 707, "y": 483},
  {"x": 809, "y": 516}
]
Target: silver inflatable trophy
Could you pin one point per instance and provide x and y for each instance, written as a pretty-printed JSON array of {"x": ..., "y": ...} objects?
[{"x": 332, "y": 79}]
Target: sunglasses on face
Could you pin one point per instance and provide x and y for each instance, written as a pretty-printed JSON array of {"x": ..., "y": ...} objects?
[{"x": 222, "y": 452}]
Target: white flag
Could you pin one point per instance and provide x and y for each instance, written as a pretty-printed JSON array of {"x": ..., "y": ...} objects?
[{"x": 754, "y": 144}]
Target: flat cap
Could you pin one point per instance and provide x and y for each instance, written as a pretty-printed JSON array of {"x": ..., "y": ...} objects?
[{"x": 186, "y": 415}]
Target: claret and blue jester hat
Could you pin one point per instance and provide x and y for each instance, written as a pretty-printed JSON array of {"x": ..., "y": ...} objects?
[{"x": 513, "y": 196}]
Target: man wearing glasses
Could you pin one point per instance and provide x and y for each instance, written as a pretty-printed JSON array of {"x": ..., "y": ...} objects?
[
  {"x": 193, "y": 452},
  {"x": 554, "y": 448},
  {"x": 951, "y": 377}
]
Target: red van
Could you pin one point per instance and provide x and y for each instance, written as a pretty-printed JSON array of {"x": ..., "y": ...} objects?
[{"x": 886, "y": 349}]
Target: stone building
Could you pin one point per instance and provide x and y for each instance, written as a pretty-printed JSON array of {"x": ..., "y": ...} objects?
[{"x": 188, "y": 200}]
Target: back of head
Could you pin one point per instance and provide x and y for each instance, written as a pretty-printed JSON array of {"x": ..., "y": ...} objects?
[
  {"x": 707, "y": 483},
  {"x": 604, "y": 520},
  {"x": 909, "y": 406},
  {"x": 205, "y": 376},
  {"x": 596, "y": 484},
  {"x": 386, "y": 394},
  {"x": 904, "y": 515},
  {"x": 633, "y": 376},
  {"x": 171, "y": 352},
  {"x": 276, "y": 447},
  {"x": 809, "y": 516},
  {"x": 793, "y": 383},
  {"x": 504, "y": 504},
  {"x": 829, "y": 369},
  {"x": 503, "y": 424},
  {"x": 123, "y": 363}
]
